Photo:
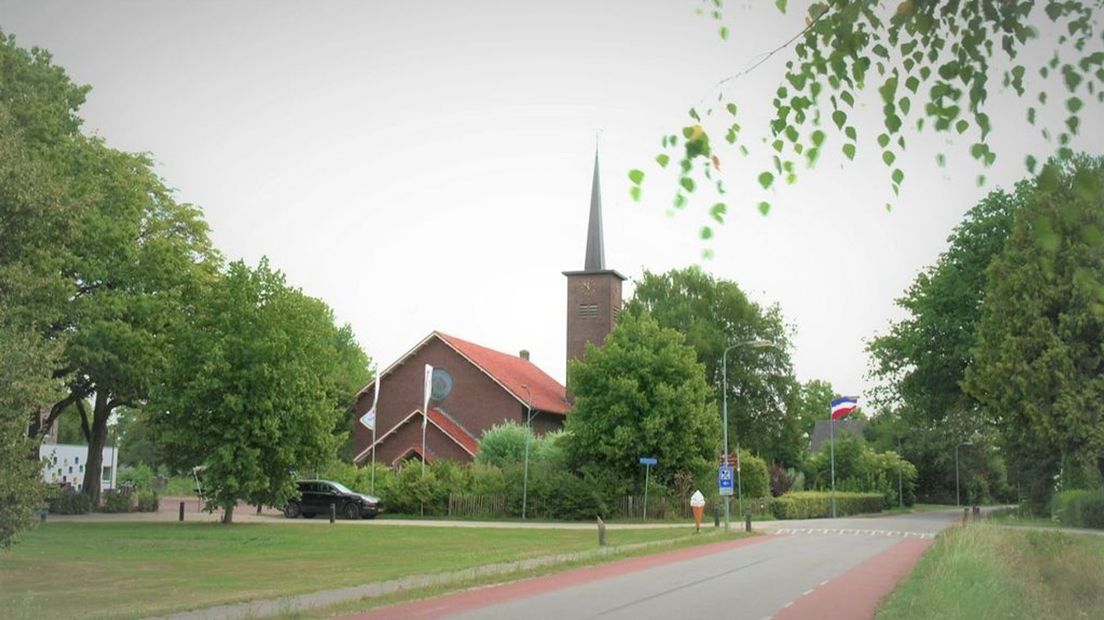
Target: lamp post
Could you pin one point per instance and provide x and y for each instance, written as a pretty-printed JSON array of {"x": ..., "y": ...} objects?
[
  {"x": 958, "y": 493},
  {"x": 724, "y": 382},
  {"x": 528, "y": 433}
]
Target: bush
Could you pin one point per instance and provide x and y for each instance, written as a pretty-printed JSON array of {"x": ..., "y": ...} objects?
[
  {"x": 754, "y": 478},
  {"x": 1079, "y": 508},
  {"x": 116, "y": 500},
  {"x": 148, "y": 501},
  {"x": 814, "y": 504},
  {"x": 504, "y": 444},
  {"x": 409, "y": 491},
  {"x": 140, "y": 477},
  {"x": 69, "y": 502}
]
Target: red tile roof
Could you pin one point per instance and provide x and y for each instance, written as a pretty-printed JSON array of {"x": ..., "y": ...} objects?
[
  {"x": 454, "y": 430},
  {"x": 512, "y": 372}
]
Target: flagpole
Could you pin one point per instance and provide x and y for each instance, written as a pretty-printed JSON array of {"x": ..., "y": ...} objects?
[
  {"x": 832, "y": 449},
  {"x": 373, "y": 491}
]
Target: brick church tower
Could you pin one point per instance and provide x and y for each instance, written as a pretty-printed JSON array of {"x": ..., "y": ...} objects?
[{"x": 593, "y": 294}]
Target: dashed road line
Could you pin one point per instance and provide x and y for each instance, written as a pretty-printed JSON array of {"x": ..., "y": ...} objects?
[{"x": 794, "y": 531}]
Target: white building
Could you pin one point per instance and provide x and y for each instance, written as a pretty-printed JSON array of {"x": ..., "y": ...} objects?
[{"x": 65, "y": 465}]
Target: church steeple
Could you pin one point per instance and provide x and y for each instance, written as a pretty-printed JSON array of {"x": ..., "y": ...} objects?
[
  {"x": 595, "y": 248},
  {"x": 593, "y": 294}
]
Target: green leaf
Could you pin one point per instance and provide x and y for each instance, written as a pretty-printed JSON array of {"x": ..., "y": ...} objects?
[
  {"x": 981, "y": 180},
  {"x": 718, "y": 211},
  {"x": 766, "y": 179},
  {"x": 634, "y": 192},
  {"x": 888, "y": 157},
  {"x": 848, "y": 98},
  {"x": 1074, "y": 104},
  {"x": 706, "y": 232},
  {"x": 849, "y": 150},
  {"x": 687, "y": 183},
  {"x": 724, "y": 33},
  {"x": 636, "y": 176},
  {"x": 941, "y": 160},
  {"x": 849, "y": 131},
  {"x": 839, "y": 117},
  {"x": 731, "y": 108},
  {"x": 962, "y": 125},
  {"x": 912, "y": 83},
  {"x": 694, "y": 115},
  {"x": 905, "y": 104},
  {"x": 662, "y": 159},
  {"x": 818, "y": 137},
  {"x": 883, "y": 140},
  {"x": 978, "y": 150},
  {"x": 1031, "y": 163},
  {"x": 781, "y": 4},
  {"x": 764, "y": 207}
]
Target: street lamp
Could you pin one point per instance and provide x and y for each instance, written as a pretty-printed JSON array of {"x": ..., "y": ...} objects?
[
  {"x": 756, "y": 344},
  {"x": 528, "y": 433},
  {"x": 958, "y": 493}
]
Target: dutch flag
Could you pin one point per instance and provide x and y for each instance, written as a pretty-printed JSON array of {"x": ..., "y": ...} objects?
[{"x": 843, "y": 406}]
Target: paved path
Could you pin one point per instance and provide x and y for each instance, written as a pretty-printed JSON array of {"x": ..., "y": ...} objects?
[{"x": 802, "y": 570}]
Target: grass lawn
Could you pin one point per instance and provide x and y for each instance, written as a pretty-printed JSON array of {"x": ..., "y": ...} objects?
[
  {"x": 110, "y": 570},
  {"x": 983, "y": 571}
]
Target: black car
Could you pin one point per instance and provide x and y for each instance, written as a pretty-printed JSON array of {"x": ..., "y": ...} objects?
[{"x": 316, "y": 496}]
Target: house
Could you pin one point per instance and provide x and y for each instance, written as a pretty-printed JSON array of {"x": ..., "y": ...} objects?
[
  {"x": 475, "y": 387},
  {"x": 842, "y": 427},
  {"x": 64, "y": 465}
]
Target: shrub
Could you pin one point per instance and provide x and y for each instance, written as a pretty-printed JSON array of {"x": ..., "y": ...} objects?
[
  {"x": 1079, "y": 508},
  {"x": 148, "y": 501},
  {"x": 410, "y": 491},
  {"x": 754, "y": 478},
  {"x": 813, "y": 504},
  {"x": 69, "y": 502},
  {"x": 116, "y": 500},
  {"x": 140, "y": 477},
  {"x": 503, "y": 444}
]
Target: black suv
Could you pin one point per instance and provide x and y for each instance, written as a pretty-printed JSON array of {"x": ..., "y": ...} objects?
[{"x": 316, "y": 496}]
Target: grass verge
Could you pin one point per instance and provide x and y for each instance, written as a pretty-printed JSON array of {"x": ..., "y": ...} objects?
[
  {"x": 365, "y": 604},
  {"x": 985, "y": 571},
  {"x": 126, "y": 570}
]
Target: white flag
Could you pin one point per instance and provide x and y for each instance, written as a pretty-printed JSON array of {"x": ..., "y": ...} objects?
[
  {"x": 428, "y": 391},
  {"x": 369, "y": 418}
]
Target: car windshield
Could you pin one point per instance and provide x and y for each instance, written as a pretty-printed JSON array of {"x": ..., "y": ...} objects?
[{"x": 341, "y": 487}]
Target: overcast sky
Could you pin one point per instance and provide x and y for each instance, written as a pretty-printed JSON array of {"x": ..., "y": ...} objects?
[{"x": 427, "y": 165}]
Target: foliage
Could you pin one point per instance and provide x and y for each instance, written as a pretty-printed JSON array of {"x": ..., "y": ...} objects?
[
  {"x": 116, "y": 500},
  {"x": 1038, "y": 366},
  {"x": 781, "y": 480},
  {"x": 503, "y": 443},
  {"x": 754, "y": 476},
  {"x": 251, "y": 390},
  {"x": 411, "y": 491},
  {"x": 139, "y": 477},
  {"x": 811, "y": 403},
  {"x": 642, "y": 394},
  {"x": 1079, "y": 508},
  {"x": 814, "y": 504},
  {"x": 147, "y": 501},
  {"x": 68, "y": 502},
  {"x": 926, "y": 65},
  {"x": 137, "y": 443},
  {"x": 860, "y": 469},
  {"x": 712, "y": 315}
]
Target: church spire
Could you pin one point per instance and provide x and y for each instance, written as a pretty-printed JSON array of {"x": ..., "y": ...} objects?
[{"x": 595, "y": 250}]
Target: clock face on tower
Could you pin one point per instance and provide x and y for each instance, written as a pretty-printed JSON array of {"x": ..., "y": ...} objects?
[{"x": 586, "y": 287}]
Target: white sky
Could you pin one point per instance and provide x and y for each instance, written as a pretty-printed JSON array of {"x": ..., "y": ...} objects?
[{"x": 427, "y": 165}]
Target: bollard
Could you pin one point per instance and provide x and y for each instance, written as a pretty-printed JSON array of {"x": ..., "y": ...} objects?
[
  {"x": 181, "y": 511},
  {"x": 716, "y": 516},
  {"x": 747, "y": 521},
  {"x": 977, "y": 512},
  {"x": 601, "y": 532},
  {"x": 333, "y": 513},
  {"x": 965, "y": 515}
]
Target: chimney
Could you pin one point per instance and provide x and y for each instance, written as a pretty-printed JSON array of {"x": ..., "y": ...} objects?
[{"x": 524, "y": 354}]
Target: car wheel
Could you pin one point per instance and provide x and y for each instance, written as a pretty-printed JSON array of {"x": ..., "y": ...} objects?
[
  {"x": 309, "y": 515},
  {"x": 352, "y": 511},
  {"x": 292, "y": 510}
]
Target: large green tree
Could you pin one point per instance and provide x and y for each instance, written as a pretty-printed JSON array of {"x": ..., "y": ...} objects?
[
  {"x": 643, "y": 394},
  {"x": 257, "y": 383},
  {"x": 713, "y": 314},
  {"x": 813, "y": 402},
  {"x": 1039, "y": 360},
  {"x": 921, "y": 362}
]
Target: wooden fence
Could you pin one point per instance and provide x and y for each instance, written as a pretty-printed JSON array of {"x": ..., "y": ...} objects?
[{"x": 476, "y": 505}]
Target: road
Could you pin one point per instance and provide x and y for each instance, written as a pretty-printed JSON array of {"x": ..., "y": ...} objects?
[{"x": 823, "y": 568}]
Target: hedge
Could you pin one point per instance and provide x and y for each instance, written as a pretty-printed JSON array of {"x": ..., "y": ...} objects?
[
  {"x": 813, "y": 504},
  {"x": 69, "y": 502}
]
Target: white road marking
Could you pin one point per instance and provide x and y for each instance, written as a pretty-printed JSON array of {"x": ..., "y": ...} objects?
[{"x": 806, "y": 592}]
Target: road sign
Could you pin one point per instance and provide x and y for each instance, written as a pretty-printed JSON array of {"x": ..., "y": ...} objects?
[
  {"x": 647, "y": 461},
  {"x": 725, "y": 477}
]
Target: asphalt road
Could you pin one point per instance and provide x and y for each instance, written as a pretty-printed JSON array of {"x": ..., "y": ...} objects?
[{"x": 752, "y": 581}]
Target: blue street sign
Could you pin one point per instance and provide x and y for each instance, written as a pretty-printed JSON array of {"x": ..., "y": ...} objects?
[
  {"x": 724, "y": 479},
  {"x": 647, "y": 461}
]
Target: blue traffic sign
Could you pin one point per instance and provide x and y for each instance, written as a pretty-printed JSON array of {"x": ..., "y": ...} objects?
[
  {"x": 724, "y": 479},
  {"x": 647, "y": 461}
]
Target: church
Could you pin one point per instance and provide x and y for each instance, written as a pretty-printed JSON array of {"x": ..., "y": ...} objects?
[{"x": 474, "y": 387}]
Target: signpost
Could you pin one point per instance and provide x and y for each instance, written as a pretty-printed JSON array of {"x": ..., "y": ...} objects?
[
  {"x": 724, "y": 479},
  {"x": 647, "y": 462}
]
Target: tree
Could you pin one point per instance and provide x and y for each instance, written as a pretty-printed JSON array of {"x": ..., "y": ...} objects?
[
  {"x": 921, "y": 361},
  {"x": 812, "y": 403},
  {"x": 932, "y": 65},
  {"x": 253, "y": 389},
  {"x": 1038, "y": 364},
  {"x": 713, "y": 314},
  {"x": 642, "y": 394}
]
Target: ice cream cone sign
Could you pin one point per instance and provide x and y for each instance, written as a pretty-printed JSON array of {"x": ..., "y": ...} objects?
[{"x": 697, "y": 504}]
